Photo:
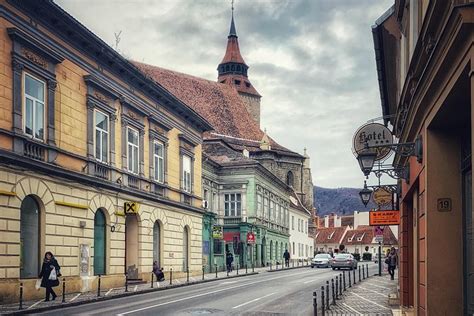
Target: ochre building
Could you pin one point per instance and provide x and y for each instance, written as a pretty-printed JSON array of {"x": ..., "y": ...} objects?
[{"x": 98, "y": 164}]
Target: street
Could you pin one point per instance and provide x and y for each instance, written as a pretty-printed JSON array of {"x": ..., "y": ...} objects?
[{"x": 284, "y": 292}]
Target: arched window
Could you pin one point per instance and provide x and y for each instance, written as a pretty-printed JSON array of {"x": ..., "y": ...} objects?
[
  {"x": 29, "y": 238},
  {"x": 157, "y": 243},
  {"x": 227, "y": 68},
  {"x": 186, "y": 248},
  {"x": 289, "y": 178},
  {"x": 99, "y": 242},
  {"x": 276, "y": 251}
]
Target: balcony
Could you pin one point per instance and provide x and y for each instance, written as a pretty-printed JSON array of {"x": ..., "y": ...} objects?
[
  {"x": 232, "y": 220},
  {"x": 33, "y": 150},
  {"x": 133, "y": 182},
  {"x": 102, "y": 171}
]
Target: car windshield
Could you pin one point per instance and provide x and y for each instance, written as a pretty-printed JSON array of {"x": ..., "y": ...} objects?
[
  {"x": 343, "y": 256},
  {"x": 322, "y": 256}
]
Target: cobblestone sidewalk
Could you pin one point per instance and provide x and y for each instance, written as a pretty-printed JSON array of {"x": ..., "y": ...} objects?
[{"x": 369, "y": 297}]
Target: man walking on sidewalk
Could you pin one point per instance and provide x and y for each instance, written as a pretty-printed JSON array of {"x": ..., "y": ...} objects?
[
  {"x": 392, "y": 261},
  {"x": 286, "y": 255}
]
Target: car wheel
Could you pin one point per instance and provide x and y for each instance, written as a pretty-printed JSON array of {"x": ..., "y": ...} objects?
[{"x": 334, "y": 268}]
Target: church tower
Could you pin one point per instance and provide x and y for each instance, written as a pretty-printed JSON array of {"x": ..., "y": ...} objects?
[{"x": 233, "y": 71}]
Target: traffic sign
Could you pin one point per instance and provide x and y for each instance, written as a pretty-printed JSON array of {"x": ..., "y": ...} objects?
[
  {"x": 378, "y": 232},
  {"x": 381, "y": 218},
  {"x": 250, "y": 238}
]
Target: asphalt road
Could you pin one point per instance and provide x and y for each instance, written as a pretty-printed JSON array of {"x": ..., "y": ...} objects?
[{"x": 283, "y": 293}]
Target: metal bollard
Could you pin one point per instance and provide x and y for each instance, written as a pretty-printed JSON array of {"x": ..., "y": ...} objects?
[
  {"x": 344, "y": 277},
  {"x": 354, "y": 275},
  {"x": 349, "y": 274},
  {"x": 203, "y": 272},
  {"x": 151, "y": 285},
  {"x": 315, "y": 303},
  {"x": 216, "y": 271},
  {"x": 293, "y": 262},
  {"x": 359, "y": 274},
  {"x": 187, "y": 275},
  {"x": 227, "y": 271},
  {"x": 126, "y": 282},
  {"x": 64, "y": 291},
  {"x": 333, "y": 294},
  {"x": 246, "y": 271},
  {"x": 98, "y": 286},
  {"x": 322, "y": 301},
  {"x": 171, "y": 276},
  {"x": 253, "y": 267},
  {"x": 21, "y": 296},
  {"x": 337, "y": 287},
  {"x": 367, "y": 270},
  {"x": 340, "y": 284},
  {"x": 270, "y": 266},
  {"x": 237, "y": 268},
  {"x": 327, "y": 295},
  {"x": 363, "y": 273}
]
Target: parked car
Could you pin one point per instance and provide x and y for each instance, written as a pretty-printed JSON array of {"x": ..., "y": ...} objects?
[
  {"x": 344, "y": 261},
  {"x": 321, "y": 260}
]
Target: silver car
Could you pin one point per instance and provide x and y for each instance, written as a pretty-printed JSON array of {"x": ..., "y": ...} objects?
[
  {"x": 321, "y": 260},
  {"x": 344, "y": 261}
]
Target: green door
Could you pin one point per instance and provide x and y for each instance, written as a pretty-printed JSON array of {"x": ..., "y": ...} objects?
[{"x": 99, "y": 243}]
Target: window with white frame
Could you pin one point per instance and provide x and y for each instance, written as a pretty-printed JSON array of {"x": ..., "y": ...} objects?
[
  {"x": 265, "y": 208},
  {"x": 101, "y": 123},
  {"x": 132, "y": 150},
  {"x": 271, "y": 216},
  {"x": 292, "y": 222},
  {"x": 34, "y": 102},
  {"x": 186, "y": 176},
  {"x": 159, "y": 161},
  {"x": 259, "y": 204},
  {"x": 233, "y": 204}
]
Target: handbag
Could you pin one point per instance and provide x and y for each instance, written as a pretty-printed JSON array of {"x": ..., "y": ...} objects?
[
  {"x": 38, "y": 284},
  {"x": 387, "y": 261},
  {"x": 53, "y": 276}
]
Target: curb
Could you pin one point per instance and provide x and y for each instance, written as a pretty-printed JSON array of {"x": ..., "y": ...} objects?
[{"x": 121, "y": 295}]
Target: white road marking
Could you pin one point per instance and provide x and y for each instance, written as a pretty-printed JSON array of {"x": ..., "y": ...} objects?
[
  {"x": 108, "y": 292},
  {"x": 351, "y": 309},
  {"x": 254, "y": 300},
  {"x": 35, "y": 304},
  {"x": 207, "y": 293},
  {"x": 228, "y": 282},
  {"x": 369, "y": 301},
  {"x": 72, "y": 299},
  {"x": 364, "y": 288},
  {"x": 382, "y": 287}
]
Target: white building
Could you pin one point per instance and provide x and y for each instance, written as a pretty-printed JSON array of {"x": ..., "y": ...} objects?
[{"x": 301, "y": 244}]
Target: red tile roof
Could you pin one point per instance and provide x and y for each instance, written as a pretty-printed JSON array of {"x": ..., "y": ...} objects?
[
  {"x": 219, "y": 103},
  {"x": 347, "y": 220},
  {"x": 232, "y": 53},
  {"x": 331, "y": 235},
  {"x": 364, "y": 235}
]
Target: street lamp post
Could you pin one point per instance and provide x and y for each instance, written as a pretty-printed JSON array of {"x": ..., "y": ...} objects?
[
  {"x": 365, "y": 194},
  {"x": 366, "y": 161}
]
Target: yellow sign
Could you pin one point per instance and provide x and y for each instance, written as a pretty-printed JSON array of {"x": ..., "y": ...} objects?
[
  {"x": 382, "y": 196},
  {"x": 131, "y": 207}
]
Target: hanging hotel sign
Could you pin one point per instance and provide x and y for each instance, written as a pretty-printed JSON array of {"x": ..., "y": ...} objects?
[
  {"x": 374, "y": 134},
  {"x": 131, "y": 207},
  {"x": 382, "y": 218},
  {"x": 217, "y": 232},
  {"x": 382, "y": 196},
  {"x": 250, "y": 238}
]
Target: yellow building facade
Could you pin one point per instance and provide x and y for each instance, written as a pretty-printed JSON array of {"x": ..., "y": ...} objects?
[{"x": 98, "y": 164}]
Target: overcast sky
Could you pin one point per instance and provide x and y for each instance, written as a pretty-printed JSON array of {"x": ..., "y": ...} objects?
[{"x": 311, "y": 60}]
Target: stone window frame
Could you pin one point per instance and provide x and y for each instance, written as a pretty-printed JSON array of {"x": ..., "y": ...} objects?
[
  {"x": 130, "y": 160},
  {"x": 100, "y": 99},
  {"x": 155, "y": 136},
  {"x": 132, "y": 122},
  {"x": 34, "y": 99},
  {"x": 235, "y": 201},
  {"x": 30, "y": 55},
  {"x": 186, "y": 148}
]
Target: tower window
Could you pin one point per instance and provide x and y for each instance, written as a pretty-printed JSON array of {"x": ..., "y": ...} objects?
[
  {"x": 238, "y": 68},
  {"x": 237, "y": 82},
  {"x": 227, "y": 68},
  {"x": 247, "y": 84},
  {"x": 232, "y": 67},
  {"x": 289, "y": 178}
]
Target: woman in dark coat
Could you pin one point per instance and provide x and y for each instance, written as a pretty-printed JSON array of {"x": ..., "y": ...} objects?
[{"x": 49, "y": 263}]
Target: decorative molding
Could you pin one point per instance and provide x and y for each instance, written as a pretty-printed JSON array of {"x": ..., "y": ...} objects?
[
  {"x": 7, "y": 193},
  {"x": 73, "y": 205},
  {"x": 40, "y": 61}
]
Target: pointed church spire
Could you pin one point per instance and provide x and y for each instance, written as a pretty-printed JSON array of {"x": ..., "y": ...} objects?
[{"x": 232, "y": 31}]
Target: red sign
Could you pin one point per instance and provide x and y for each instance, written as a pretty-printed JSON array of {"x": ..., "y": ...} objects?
[
  {"x": 382, "y": 218},
  {"x": 231, "y": 236},
  {"x": 250, "y": 238}
]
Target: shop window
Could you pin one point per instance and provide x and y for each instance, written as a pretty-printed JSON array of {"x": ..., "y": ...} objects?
[{"x": 29, "y": 238}]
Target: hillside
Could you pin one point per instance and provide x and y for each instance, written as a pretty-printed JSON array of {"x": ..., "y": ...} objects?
[{"x": 342, "y": 201}]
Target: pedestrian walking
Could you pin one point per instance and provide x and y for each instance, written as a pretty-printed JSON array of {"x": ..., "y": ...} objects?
[
  {"x": 50, "y": 273},
  {"x": 229, "y": 258},
  {"x": 392, "y": 261},
  {"x": 286, "y": 255},
  {"x": 160, "y": 275}
]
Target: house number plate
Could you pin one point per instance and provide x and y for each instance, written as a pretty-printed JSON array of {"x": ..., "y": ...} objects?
[{"x": 444, "y": 205}]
